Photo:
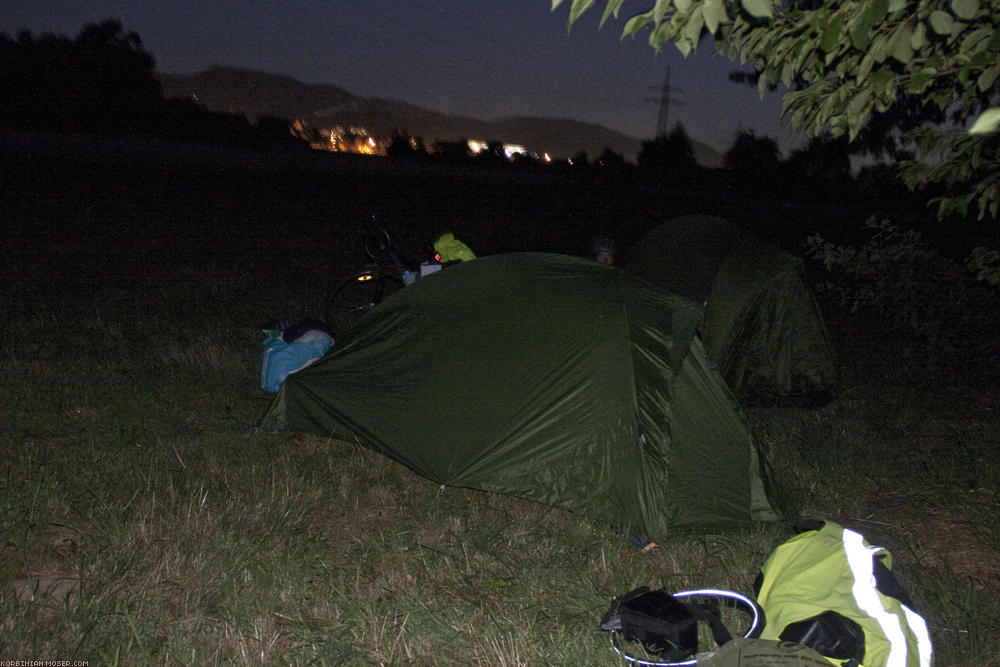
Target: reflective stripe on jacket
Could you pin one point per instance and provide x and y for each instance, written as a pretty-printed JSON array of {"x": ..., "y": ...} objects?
[{"x": 822, "y": 585}]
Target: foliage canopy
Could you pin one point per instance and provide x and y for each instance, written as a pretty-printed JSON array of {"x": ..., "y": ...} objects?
[
  {"x": 101, "y": 81},
  {"x": 842, "y": 62}
]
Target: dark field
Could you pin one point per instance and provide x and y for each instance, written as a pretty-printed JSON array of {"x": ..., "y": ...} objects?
[{"x": 145, "y": 521}]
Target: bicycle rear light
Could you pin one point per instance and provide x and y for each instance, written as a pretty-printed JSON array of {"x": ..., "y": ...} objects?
[{"x": 365, "y": 277}]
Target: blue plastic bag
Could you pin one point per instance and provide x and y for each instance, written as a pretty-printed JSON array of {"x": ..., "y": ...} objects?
[{"x": 279, "y": 359}]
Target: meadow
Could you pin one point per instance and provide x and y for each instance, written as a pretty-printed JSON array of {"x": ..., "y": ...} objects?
[{"x": 145, "y": 519}]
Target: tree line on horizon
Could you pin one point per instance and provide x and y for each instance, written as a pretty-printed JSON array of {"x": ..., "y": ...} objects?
[{"x": 104, "y": 82}]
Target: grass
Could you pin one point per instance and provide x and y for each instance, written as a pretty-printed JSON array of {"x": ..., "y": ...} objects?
[{"x": 144, "y": 519}]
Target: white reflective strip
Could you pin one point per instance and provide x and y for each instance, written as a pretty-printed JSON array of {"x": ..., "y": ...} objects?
[
  {"x": 919, "y": 627},
  {"x": 859, "y": 557},
  {"x": 748, "y": 602}
]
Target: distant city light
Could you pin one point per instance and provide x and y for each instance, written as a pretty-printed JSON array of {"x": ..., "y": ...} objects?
[
  {"x": 509, "y": 150},
  {"x": 356, "y": 139}
]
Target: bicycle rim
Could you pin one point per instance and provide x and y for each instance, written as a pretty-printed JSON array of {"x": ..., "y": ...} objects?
[
  {"x": 740, "y": 613},
  {"x": 349, "y": 299},
  {"x": 377, "y": 242}
]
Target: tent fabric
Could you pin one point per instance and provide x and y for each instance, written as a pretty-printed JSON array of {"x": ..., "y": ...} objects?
[
  {"x": 545, "y": 377},
  {"x": 762, "y": 324}
]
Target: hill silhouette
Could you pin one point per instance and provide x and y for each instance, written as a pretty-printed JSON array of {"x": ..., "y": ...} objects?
[{"x": 260, "y": 94}]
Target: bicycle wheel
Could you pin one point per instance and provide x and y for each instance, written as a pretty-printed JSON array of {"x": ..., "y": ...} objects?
[
  {"x": 350, "y": 299},
  {"x": 377, "y": 242}
]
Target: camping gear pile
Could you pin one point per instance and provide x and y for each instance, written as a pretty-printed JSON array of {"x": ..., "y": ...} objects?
[
  {"x": 288, "y": 348},
  {"x": 666, "y": 625},
  {"x": 825, "y": 596}
]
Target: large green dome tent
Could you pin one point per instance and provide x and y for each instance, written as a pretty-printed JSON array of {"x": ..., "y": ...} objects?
[
  {"x": 545, "y": 377},
  {"x": 762, "y": 325}
]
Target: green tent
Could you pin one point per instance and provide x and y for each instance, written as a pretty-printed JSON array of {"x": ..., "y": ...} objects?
[
  {"x": 762, "y": 324},
  {"x": 545, "y": 377}
]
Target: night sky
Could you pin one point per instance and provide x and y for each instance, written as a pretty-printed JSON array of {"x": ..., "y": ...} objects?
[{"x": 482, "y": 58}]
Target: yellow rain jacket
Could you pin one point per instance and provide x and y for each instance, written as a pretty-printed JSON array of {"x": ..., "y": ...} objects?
[{"x": 450, "y": 249}]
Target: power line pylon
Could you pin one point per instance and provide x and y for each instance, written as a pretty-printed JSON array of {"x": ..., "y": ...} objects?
[{"x": 665, "y": 101}]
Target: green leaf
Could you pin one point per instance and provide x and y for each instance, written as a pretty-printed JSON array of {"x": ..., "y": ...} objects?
[
  {"x": 902, "y": 49},
  {"x": 684, "y": 46},
  {"x": 758, "y": 8},
  {"x": 982, "y": 59},
  {"x": 860, "y": 33},
  {"x": 788, "y": 74},
  {"x": 875, "y": 11},
  {"x": 976, "y": 41},
  {"x": 661, "y": 7},
  {"x": 917, "y": 84},
  {"x": 661, "y": 34},
  {"x": 987, "y": 123},
  {"x": 918, "y": 38},
  {"x": 857, "y": 104},
  {"x": 865, "y": 66},
  {"x": 637, "y": 23},
  {"x": 715, "y": 15},
  {"x": 831, "y": 34},
  {"x": 881, "y": 79},
  {"x": 838, "y": 125},
  {"x": 612, "y": 9},
  {"x": 965, "y": 9},
  {"x": 941, "y": 22},
  {"x": 988, "y": 78},
  {"x": 692, "y": 29},
  {"x": 994, "y": 43},
  {"x": 577, "y": 8},
  {"x": 762, "y": 86}
]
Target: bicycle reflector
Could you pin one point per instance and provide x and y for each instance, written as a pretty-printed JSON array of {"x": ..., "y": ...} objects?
[{"x": 437, "y": 257}]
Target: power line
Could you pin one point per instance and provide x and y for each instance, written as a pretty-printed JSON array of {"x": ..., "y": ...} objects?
[{"x": 664, "y": 100}]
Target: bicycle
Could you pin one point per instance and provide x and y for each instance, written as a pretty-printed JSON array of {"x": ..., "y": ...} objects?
[{"x": 348, "y": 299}]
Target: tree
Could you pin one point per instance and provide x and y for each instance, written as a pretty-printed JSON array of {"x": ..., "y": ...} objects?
[
  {"x": 883, "y": 136},
  {"x": 405, "y": 147},
  {"x": 669, "y": 157},
  {"x": 493, "y": 154},
  {"x": 101, "y": 81},
  {"x": 822, "y": 168},
  {"x": 751, "y": 153},
  {"x": 278, "y": 131},
  {"x": 580, "y": 159},
  {"x": 842, "y": 62},
  {"x": 452, "y": 151},
  {"x": 609, "y": 159},
  {"x": 754, "y": 164}
]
